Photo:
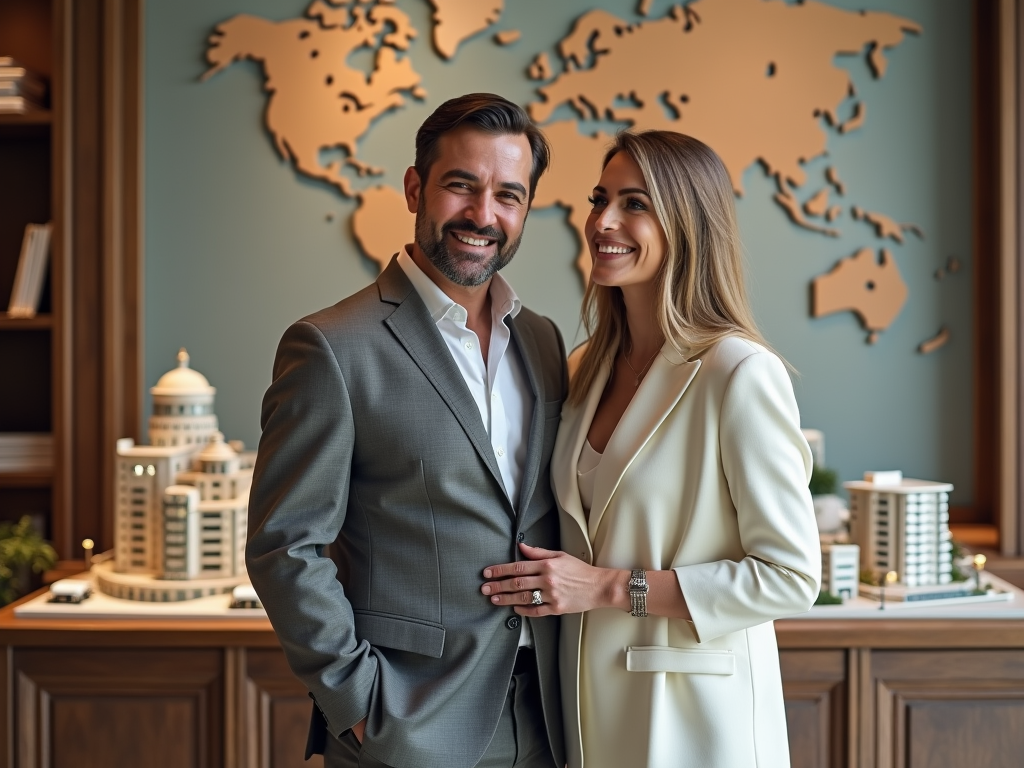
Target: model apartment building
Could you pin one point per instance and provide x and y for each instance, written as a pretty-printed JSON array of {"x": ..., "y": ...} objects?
[
  {"x": 902, "y": 525},
  {"x": 182, "y": 502},
  {"x": 840, "y": 570}
]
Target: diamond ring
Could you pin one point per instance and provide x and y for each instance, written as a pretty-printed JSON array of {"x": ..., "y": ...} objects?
[{"x": 537, "y": 599}]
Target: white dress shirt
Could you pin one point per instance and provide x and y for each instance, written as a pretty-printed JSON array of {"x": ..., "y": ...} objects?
[{"x": 501, "y": 388}]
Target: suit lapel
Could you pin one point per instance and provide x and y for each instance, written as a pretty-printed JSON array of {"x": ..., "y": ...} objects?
[
  {"x": 571, "y": 435},
  {"x": 658, "y": 394},
  {"x": 417, "y": 333},
  {"x": 530, "y": 355}
]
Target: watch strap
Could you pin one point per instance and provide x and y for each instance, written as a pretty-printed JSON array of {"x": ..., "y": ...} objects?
[{"x": 638, "y": 588}]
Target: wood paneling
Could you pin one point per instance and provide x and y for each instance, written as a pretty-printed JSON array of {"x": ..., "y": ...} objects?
[
  {"x": 114, "y": 708},
  {"x": 814, "y": 686},
  {"x": 947, "y": 709},
  {"x": 25, "y": 34},
  {"x": 97, "y": 255},
  {"x": 938, "y": 694},
  {"x": 277, "y": 710}
]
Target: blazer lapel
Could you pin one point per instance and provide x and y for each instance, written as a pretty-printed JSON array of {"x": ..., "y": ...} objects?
[
  {"x": 571, "y": 435},
  {"x": 418, "y": 334},
  {"x": 530, "y": 356},
  {"x": 658, "y": 394}
]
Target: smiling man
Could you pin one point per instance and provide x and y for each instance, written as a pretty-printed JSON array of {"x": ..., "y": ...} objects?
[{"x": 406, "y": 441}]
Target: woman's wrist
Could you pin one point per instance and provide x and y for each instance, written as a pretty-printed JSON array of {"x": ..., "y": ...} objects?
[{"x": 616, "y": 589}]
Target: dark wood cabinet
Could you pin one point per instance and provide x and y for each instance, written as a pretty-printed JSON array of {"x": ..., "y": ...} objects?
[
  {"x": 119, "y": 708},
  {"x": 178, "y": 694}
]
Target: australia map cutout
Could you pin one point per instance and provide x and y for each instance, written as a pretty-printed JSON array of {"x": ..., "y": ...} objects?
[{"x": 708, "y": 67}]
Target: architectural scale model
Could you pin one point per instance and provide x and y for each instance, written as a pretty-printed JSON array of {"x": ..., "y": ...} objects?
[
  {"x": 902, "y": 525},
  {"x": 840, "y": 569},
  {"x": 181, "y": 503}
]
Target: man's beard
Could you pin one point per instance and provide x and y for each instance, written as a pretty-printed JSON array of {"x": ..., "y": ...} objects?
[{"x": 460, "y": 268}]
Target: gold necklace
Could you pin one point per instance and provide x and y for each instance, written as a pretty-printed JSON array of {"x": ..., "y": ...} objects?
[{"x": 637, "y": 376}]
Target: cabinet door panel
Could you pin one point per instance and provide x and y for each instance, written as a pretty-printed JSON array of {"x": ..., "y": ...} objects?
[
  {"x": 815, "y": 690},
  {"x": 947, "y": 709},
  {"x": 114, "y": 708},
  {"x": 277, "y": 713},
  {"x": 123, "y": 730}
]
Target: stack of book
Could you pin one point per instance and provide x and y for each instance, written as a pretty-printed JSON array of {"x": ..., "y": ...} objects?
[
  {"x": 21, "y": 90},
  {"x": 26, "y": 452},
  {"x": 31, "y": 271}
]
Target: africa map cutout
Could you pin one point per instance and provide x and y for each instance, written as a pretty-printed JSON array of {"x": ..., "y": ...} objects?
[{"x": 755, "y": 79}]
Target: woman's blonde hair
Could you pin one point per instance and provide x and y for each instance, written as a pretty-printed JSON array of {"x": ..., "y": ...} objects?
[{"x": 702, "y": 297}]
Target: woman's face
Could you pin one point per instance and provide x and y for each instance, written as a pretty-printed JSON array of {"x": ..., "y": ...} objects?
[{"x": 627, "y": 243}]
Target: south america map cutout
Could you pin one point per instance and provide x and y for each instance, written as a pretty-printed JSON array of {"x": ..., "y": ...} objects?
[{"x": 755, "y": 79}]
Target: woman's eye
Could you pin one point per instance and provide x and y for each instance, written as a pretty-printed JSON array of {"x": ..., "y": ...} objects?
[
  {"x": 635, "y": 204},
  {"x": 596, "y": 200}
]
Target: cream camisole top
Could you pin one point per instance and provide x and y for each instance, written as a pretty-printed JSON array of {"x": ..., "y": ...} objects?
[{"x": 586, "y": 475}]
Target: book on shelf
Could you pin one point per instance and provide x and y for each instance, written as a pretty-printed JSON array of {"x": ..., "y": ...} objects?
[
  {"x": 28, "y": 87},
  {"x": 18, "y": 105},
  {"x": 21, "y": 90},
  {"x": 31, "y": 271},
  {"x": 26, "y": 452}
]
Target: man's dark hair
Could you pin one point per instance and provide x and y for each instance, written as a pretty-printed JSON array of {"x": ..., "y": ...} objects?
[{"x": 486, "y": 112}]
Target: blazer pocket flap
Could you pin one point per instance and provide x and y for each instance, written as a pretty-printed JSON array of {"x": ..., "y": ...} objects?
[
  {"x": 659, "y": 658},
  {"x": 399, "y": 633}
]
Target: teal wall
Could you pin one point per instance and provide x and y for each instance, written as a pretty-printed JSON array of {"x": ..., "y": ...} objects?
[{"x": 238, "y": 245}]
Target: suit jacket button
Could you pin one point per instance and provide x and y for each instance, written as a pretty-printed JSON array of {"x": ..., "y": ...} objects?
[
  {"x": 521, "y": 537},
  {"x": 513, "y": 622}
]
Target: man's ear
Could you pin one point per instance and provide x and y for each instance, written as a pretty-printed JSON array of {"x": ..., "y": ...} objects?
[{"x": 413, "y": 189}]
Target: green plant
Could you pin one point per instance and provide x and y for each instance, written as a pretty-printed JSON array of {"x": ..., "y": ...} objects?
[
  {"x": 827, "y": 598},
  {"x": 22, "y": 549},
  {"x": 823, "y": 481}
]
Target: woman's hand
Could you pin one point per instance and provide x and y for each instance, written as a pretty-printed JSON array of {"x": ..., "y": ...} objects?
[{"x": 566, "y": 584}]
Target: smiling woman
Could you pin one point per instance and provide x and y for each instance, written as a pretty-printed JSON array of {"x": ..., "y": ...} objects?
[{"x": 681, "y": 475}]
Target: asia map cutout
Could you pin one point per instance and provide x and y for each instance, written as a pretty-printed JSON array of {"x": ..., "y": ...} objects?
[{"x": 755, "y": 79}]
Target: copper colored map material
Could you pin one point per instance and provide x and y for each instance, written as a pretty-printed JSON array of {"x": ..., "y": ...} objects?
[
  {"x": 868, "y": 286},
  {"x": 507, "y": 36},
  {"x": 935, "y": 342},
  {"x": 457, "y": 20}
]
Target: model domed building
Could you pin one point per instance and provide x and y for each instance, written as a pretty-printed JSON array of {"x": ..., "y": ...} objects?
[
  {"x": 182, "y": 502},
  {"x": 182, "y": 407}
]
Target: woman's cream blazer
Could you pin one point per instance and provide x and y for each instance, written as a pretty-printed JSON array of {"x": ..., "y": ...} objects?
[{"x": 706, "y": 474}]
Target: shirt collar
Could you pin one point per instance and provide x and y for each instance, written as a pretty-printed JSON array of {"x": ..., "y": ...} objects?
[{"x": 504, "y": 301}]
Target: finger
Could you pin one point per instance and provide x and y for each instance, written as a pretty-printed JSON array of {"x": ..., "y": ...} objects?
[
  {"x": 519, "y": 568},
  {"x": 513, "y": 598},
  {"x": 538, "y": 553},
  {"x": 516, "y": 584}
]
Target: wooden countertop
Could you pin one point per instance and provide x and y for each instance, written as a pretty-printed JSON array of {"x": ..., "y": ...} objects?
[{"x": 792, "y": 633}]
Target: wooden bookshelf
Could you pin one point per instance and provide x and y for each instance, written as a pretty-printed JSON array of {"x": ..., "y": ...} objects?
[
  {"x": 37, "y": 323},
  {"x": 42, "y": 117},
  {"x": 75, "y": 164},
  {"x": 26, "y": 479}
]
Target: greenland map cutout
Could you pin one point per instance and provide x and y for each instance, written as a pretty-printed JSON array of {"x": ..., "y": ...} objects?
[{"x": 755, "y": 79}]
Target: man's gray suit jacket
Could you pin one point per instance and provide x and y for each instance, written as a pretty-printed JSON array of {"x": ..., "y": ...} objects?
[{"x": 372, "y": 443}]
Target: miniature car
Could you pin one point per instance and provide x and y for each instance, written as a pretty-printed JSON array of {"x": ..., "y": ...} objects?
[{"x": 69, "y": 591}]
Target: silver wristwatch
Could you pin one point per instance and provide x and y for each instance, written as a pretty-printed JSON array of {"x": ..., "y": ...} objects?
[{"x": 638, "y": 589}]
